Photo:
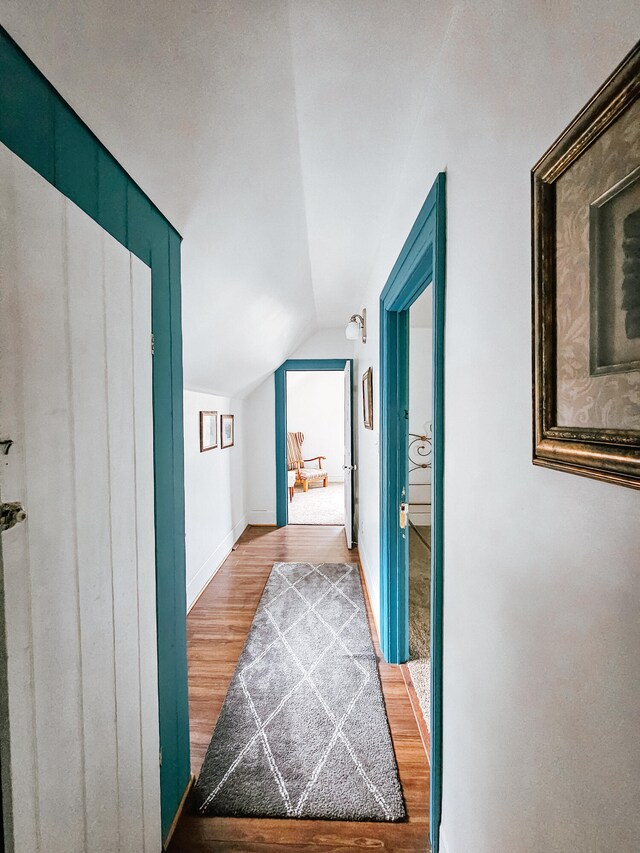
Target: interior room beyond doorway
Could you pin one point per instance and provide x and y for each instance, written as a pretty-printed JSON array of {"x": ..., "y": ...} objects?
[
  {"x": 315, "y": 446},
  {"x": 420, "y": 461}
]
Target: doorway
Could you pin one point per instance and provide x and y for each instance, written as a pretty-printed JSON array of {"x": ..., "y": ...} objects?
[
  {"x": 421, "y": 264},
  {"x": 420, "y": 453},
  {"x": 315, "y": 447},
  {"x": 292, "y": 444},
  {"x": 79, "y": 668}
]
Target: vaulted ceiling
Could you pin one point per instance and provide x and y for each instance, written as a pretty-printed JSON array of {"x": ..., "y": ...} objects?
[{"x": 271, "y": 133}]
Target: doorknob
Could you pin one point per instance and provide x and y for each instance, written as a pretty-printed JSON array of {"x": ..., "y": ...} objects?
[
  {"x": 404, "y": 515},
  {"x": 10, "y": 515}
]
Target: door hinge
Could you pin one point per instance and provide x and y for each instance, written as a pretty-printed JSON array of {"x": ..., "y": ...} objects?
[
  {"x": 153, "y": 345},
  {"x": 160, "y": 757}
]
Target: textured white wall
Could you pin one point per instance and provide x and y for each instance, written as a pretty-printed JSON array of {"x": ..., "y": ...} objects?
[
  {"x": 260, "y": 435},
  {"x": 542, "y": 575},
  {"x": 315, "y": 407},
  {"x": 214, "y": 491}
]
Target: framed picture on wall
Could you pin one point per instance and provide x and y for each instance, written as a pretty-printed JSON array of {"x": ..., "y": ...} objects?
[
  {"x": 367, "y": 398},
  {"x": 586, "y": 288},
  {"x": 227, "y": 431},
  {"x": 208, "y": 431}
]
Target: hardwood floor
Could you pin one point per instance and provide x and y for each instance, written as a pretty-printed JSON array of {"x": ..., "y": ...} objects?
[{"x": 216, "y": 630}]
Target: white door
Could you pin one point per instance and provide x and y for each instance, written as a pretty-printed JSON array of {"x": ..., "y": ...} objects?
[
  {"x": 78, "y": 576},
  {"x": 348, "y": 460}
]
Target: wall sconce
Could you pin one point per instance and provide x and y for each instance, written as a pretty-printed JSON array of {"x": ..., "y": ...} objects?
[{"x": 356, "y": 324}]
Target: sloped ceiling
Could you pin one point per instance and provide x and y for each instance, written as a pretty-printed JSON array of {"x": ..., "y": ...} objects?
[{"x": 272, "y": 134}]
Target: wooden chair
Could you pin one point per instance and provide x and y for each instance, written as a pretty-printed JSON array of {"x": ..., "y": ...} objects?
[
  {"x": 296, "y": 463},
  {"x": 291, "y": 483}
]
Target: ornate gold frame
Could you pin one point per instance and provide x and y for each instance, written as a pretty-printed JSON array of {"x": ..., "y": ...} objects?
[{"x": 603, "y": 454}]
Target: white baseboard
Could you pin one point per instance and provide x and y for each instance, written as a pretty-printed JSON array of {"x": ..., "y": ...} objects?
[
  {"x": 444, "y": 847},
  {"x": 213, "y": 563},
  {"x": 368, "y": 573}
]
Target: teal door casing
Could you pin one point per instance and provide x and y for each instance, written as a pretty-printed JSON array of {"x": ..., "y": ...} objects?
[
  {"x": 421, "y": 263},
  {"x": 43, "y": 130},
  {"x": 280, "y": 377}
]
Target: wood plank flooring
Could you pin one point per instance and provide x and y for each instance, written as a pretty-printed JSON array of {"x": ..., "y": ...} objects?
[{"x": 216, "y": 630}]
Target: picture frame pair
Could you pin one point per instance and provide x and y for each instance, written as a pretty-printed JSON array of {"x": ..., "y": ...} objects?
[{"x": 209, "y": 431}]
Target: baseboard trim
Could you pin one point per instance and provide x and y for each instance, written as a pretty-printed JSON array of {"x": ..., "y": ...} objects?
[
  {"x": 179, "y": 811},
  {"x": 425, "y": 737},
  {"x": 216, "y": 560},
  {"x": 364, "y": 565},
  {"x": 365, "y": 587}
]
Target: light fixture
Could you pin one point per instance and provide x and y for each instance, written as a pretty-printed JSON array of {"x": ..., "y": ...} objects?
[{"x": 357, "y": 323}]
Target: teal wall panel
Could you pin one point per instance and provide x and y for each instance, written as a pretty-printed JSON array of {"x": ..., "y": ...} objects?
[
  {"x": 43, "y": 130},
  {"x": 76, "y": 160},
  {"x": 26, "y": 110},
  {"x": 112, "y": 196},
  {"x": 140, "y": 226}
]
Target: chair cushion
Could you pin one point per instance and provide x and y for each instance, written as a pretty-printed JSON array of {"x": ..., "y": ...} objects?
[{"x": 312, "y": 473}]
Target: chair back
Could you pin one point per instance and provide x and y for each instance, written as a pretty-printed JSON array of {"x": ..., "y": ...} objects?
[{"x": 294, "y": 450}]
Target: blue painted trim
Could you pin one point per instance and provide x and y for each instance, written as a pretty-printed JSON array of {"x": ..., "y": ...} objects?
[
  {"x": 280, "y": 376},
  {"x": 42, "y": 129},
  {"x": 420, "y": 263}
]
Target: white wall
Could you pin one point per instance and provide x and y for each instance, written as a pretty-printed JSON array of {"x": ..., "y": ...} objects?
[
  {"x": 315, "y": 407},
  {"x": 260, "y": 434},
  {"x": 214, "y": 491},
  {"x": 542, "y": 575}
]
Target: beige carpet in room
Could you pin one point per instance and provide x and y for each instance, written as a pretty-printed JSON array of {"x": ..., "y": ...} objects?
[
  {"x": 420, "y": 616},
  {"x": 319, "y": 505}
]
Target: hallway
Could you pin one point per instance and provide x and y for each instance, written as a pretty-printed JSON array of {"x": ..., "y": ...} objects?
[
  {"x": 217, "y": 627},
  {"x": 389, "y": 251}
]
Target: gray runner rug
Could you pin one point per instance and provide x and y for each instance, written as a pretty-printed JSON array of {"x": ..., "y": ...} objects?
[{"x": 303, "y": 731}]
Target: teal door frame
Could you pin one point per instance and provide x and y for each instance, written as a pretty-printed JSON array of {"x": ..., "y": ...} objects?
[
  {"x": 280, "y": 376},
  {"x": 44, "y": 131},
  {"x": 420, "y": 263}
]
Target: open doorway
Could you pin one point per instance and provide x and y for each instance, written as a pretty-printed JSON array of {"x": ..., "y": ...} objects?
[
  {"x": 286, "y": 478},
  {"x": 420, "y": 266},
  {"x": 420, "y": 459},
  {"x": 315, "y": 447}
]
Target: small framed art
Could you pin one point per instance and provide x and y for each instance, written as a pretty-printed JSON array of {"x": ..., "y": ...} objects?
[
  {"x": 208, "y": 431},
  {"x": 227, "y": 430}
]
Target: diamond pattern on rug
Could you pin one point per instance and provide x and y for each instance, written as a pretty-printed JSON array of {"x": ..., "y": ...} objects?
[{"x": 303, "y": 731}]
